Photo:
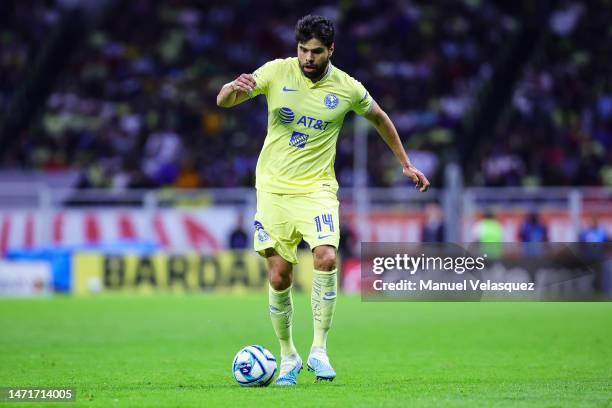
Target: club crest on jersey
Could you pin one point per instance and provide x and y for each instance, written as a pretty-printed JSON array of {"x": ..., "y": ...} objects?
[
  {"x": 298, "y": 140},
  {"x": 262, "y": 235},
  {"x": 286, "y": 115},
  {"x": 331, "y": 101}
]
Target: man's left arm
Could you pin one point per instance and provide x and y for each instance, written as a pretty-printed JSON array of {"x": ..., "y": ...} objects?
[{"x": 388, "y": 133}]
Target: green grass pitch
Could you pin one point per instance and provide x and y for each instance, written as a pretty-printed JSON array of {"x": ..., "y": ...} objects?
[{"x": 172, "y": 350}]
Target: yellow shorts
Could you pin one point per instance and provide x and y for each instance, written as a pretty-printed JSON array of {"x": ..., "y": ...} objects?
[{"x": 282, "y": 220}]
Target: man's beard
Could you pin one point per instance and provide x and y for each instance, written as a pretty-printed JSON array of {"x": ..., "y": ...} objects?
[{"x": 318, "y": 72}]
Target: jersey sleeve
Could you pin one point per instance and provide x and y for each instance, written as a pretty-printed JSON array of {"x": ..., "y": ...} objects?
[
  {"x": 361, "y": 100},
  {"x": 263, "y": 76}
]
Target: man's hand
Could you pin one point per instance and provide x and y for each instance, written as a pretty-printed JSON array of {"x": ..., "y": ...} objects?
[
  {"x": 236, "y": 92},
  {"x": 244, "y": 83},
  {"x": 418, "y": 177}
]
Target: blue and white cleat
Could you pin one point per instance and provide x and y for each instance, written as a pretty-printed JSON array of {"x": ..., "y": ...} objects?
[
  {"x": 319, "y": 363},
  {"x": 289, "y": 369}
]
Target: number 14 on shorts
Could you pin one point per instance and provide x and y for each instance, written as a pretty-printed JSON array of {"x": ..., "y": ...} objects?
[{"x": 324, "y": 220}]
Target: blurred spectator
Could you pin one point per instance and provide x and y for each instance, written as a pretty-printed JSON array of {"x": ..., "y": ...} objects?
[
  {"x": 348, "y": 238},
  {"x": 532, "y": 229},
  {"x": 188, "y": 177},
  {"x": 564, "y": 19},
  {"x": 433, "y": 227},
  {"x": 594, "y": 232},
  {"x": 238, "y": 238},
  {"x": 488, "y": 229},
  {"x": 161, "y": 156}
]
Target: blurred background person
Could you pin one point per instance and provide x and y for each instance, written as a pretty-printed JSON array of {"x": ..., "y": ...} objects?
[
  {"x": 594, "y": 232},
  {"x": 238, "y": 238},
  {"x": 533, "y": 229},
  {"x": 433, "y": 227},
  {"x": 488, "y": 229},
  {"x": 348, "y": 238}
]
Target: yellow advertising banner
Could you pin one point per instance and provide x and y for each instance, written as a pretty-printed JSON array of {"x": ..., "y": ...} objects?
[{"x": 229, "y": 271}]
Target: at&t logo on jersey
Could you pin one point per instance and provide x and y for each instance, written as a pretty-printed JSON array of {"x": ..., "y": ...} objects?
[
  {"x": 286, "y": 115},
  {"x": 313, "y": 123},
  {"x": 331, "y": 101}
]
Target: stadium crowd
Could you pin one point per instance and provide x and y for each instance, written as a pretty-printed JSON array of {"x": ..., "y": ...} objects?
[
  {"x": 23, "y": 28},
  {"x": 560, "y": 128},
  {"x": 135, "y": 106}
]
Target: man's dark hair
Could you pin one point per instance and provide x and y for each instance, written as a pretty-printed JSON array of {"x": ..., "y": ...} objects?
[{"x": 309, "y": 27}]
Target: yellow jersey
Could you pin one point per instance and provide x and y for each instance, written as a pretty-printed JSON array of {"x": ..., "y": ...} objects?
[{"x": 304, "y": 120}]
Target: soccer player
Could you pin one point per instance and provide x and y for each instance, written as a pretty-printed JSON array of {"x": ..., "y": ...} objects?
[{"x": 307, "y": 98}]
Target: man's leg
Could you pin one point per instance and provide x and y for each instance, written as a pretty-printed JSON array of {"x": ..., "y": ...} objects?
[
  {"x": 323, "y": 303},
  {"x": 281, "y": 313},
  {"x": 281, "y": 304}
]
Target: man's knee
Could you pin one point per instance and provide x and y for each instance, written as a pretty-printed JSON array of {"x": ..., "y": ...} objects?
[
  {"x": 280, "y": 272},
  {"x": 324, "y": 258},
  {"x": 279, "y": 281}
]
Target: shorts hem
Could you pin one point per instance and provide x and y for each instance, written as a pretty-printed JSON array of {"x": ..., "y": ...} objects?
[
  {"x": 323, "y": 242},
  {"x": 275, "y": 246}
]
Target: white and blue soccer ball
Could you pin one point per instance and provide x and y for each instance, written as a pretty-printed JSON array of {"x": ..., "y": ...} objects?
[{"x": 254, "y": 366}]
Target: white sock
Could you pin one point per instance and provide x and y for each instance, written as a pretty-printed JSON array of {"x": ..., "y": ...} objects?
[
  {"x": 323, "y": 304},
  {"x": 281, "y": 314}
]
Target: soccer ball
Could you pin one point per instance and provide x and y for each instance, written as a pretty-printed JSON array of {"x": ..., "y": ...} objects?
[{"x": 254, "y": 366}]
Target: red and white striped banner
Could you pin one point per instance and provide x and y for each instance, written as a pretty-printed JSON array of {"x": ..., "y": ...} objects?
[
  {"x": 171, "y": 229},
  {"x": 209, "y": 229}
]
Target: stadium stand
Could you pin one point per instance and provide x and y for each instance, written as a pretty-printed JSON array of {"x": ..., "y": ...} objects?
[{"x": 133, "y": 102}]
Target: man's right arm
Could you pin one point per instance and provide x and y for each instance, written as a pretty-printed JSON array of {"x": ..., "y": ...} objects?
[{"x": 237, "y": 91}]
